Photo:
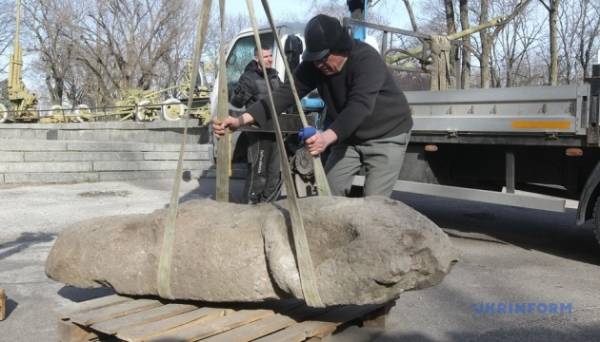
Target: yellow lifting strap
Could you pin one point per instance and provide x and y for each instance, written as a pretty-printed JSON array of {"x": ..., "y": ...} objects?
[
  {"x": 224, "y": 143},
  {"x": 166, "y": 253},
  {"x": 306, "y": 270}
]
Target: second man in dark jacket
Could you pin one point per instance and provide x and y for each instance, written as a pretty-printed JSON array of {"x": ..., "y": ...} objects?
[{"x": 263, "y": 177}]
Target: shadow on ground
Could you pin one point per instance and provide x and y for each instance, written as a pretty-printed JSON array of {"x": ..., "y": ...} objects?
[
  {"x": 76, "y": 294},
  {"x": 548, "y": 232},
  {"x": 24, "y": 241},
  {"x": 11, "y": 305}
]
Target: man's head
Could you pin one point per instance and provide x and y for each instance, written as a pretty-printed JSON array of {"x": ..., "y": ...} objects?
[
  {"x": 327, "y": 44},
  {"x": 267, "y": 55}
]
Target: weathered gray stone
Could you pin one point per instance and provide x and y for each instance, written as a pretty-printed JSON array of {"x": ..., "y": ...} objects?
[{"x": 364, "y": 251}]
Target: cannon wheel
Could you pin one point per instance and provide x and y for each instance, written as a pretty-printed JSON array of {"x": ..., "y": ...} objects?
[
  {"x": 81, "y": 112},
  {"x": 3, "y": 113},
  {"x": 172, "y": 109},
  {"x": 140, "y": 110}
]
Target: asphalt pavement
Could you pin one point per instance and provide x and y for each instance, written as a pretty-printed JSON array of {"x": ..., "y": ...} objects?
[{"x": 525, "y": 260}]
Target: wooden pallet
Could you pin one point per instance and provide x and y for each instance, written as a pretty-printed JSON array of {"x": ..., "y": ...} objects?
[{"x": 119, "y": 318}]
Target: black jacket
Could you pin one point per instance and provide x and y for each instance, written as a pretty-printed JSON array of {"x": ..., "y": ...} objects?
[
  {"x": 363, "y": 99},
  {"x": 252, "y": 86}
]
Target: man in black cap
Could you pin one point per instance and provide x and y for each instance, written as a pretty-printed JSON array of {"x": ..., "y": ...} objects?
[
  {"x": 262, "y": 178},
  {"x": 371, "y": 119}
]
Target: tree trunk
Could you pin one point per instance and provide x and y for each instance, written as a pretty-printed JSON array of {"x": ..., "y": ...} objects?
[
  {"x": 465, "y": 75},
  {"x": 411, "y": 15},
  {"x": 450, "y": 29},
  {"x": 486, "y": 46},
  {"x": 450, "y": 22},
  {"x": 553, "y": 42}
]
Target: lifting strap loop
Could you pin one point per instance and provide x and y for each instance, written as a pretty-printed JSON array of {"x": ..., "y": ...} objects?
[{"x": 306, "y": 270}]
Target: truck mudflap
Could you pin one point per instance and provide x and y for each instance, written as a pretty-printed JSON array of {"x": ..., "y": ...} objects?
[{"x": 589, "y": 195}]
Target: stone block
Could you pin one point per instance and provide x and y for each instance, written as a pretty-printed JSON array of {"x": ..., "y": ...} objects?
[{"x": 364, "y": 251}]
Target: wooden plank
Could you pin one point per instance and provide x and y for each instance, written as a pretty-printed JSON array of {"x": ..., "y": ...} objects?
[
  {"x": 113, "y": 311},
  {"x": 111, "y": 327},
  {"x": 205, "y": 329},
  {"x": 266, "y": 326},
  {"x": 2, "y": 304},
  {"x": 91, "y": 304},
  {"x": 71, "y": 332},
  {"x": 321, "y": 326},
  {"x": 148, "y": 330}
]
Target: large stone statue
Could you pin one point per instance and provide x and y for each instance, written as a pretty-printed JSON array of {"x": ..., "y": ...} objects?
[{"x": 365, "y": 250}]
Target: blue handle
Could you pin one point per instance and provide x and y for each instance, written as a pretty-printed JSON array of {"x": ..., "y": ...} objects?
[{"x": 306, "y": 132}]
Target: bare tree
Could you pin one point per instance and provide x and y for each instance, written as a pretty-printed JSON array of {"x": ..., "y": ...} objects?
[
  {"x": 124, "y": 42},
  {"x": 233, "y": 25},
  {"x": 512, "y": 49},
  {"x": 590, "y": 27},
  {"x": 411, "y": 15},
  {"x": 488, "y": 36},
  {"x": 7, "y": 26},
  {"x": 465, "y": 76},
  {"x": 450, "y": 17},
  {"x": 52, "y": 41},
  {"x": 552, "y": 6}
]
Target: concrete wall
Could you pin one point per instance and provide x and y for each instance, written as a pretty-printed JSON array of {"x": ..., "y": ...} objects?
[
  {"x": 154, "y": 132},
  {"x": 99, "y": 151}
]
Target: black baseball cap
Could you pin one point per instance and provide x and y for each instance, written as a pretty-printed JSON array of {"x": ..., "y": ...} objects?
[{"x": 324, "y": 34}]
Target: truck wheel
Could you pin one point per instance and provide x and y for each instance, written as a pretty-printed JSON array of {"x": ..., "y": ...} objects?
[{"x": 597, "y": 218}]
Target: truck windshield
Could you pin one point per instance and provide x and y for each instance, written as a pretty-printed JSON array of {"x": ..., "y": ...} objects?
[{"x": 240, "y": 55}]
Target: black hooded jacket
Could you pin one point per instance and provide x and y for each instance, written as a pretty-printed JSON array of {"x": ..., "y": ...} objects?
[{"x": 252, "y": 86}]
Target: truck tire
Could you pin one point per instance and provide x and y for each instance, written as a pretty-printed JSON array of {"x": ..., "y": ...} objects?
[{"x": 597, "y": 218}]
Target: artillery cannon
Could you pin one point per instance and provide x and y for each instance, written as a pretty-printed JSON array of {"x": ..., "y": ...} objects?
[
  {"x": 22, "y": 104},
  {"x": 137, "y": 104}
]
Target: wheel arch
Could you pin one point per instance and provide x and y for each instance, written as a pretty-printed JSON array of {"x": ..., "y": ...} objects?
[{"x": 589, "y": 196}]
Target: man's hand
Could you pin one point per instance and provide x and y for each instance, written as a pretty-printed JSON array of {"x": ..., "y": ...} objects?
[
  {"x": 319, "y": 142},
  {"x": 219, "y": 127}
]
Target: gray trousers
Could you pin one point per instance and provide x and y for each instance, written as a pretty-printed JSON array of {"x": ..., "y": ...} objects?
[{"x": 381, "y": 158}]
